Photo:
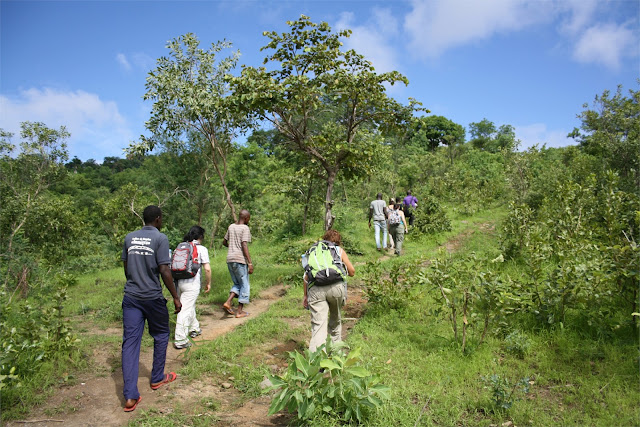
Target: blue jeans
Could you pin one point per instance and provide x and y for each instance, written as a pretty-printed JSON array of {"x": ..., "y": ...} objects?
[
  {"x": 240, "y": 277},
  {"x": 134, "y": 314},
  {"x": 377, "y": 226}
]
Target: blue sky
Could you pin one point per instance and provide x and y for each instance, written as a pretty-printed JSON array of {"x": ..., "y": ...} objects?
[{"x": 529, "y": 64}]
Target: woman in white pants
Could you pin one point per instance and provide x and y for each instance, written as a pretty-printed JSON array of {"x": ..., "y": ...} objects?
[{"x": 188, "y": 289}]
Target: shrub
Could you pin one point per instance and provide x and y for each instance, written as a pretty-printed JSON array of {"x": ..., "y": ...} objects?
[
  {"x": 503, "y": 393},
  {"x": 430, "y": 217},
  {"x": 386, "y": 292},
  {"x": 517, "y": 344},
  {"x": 327, "y": 382}
]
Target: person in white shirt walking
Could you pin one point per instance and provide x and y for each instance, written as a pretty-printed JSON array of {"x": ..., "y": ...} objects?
[{"x": 187, "y": 324}]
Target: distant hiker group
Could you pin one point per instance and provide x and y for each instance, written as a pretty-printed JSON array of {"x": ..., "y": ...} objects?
[{"x": 391, "y": 220}]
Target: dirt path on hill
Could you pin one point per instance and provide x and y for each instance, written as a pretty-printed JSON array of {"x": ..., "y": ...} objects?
[{"x": 96, "y": 399}]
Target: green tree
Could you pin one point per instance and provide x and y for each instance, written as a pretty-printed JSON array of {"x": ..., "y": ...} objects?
[
  {"x": 611, "y": 132},
  {"x": 481, "y": 133},
  {"x": 485, "y": 136},
  {"x": 190, "y": 94},
  {"x": 25, "y": 177},
  {"x": 433, "y": 131},
  {"x": 325, "y": 101}
]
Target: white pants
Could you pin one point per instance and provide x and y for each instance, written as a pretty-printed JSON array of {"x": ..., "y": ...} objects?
[{"x": 188, "y": 291}]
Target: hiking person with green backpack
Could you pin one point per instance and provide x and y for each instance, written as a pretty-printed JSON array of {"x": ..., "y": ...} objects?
[{"x": 326, "y": 266}]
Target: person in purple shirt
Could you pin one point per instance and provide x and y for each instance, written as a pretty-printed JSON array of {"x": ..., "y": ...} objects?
[{"x": 410, "y": 203}]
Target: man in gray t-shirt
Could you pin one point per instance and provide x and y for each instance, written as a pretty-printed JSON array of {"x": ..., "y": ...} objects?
[
  {"x": 145, "y": 255},
  {"x": 378, "y": 212}
]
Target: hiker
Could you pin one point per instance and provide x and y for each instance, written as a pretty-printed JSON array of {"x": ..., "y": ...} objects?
[
  {"x": 410, "y": 203},
  {"x": 324, "y": 301},
  {"x": 145, "y": 254},
  {"x": 397, "y": 226},
  {"x": 392, "y": 203},
  {"x": 239, "y": 263},
  {"x": 378, "y": 212},
  {"x": 189, "y": 289}
]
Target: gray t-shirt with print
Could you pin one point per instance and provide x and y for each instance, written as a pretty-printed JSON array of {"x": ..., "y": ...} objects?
[{"x": 144, "y": 251}]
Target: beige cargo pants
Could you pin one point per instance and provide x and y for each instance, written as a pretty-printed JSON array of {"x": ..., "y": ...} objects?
[{"x": 325, "y": 303}]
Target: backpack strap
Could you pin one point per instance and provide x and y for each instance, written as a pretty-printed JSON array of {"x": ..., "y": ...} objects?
[{"x": 196, "y": 257}]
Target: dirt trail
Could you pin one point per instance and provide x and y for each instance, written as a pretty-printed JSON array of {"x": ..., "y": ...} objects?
[{"x": 98, "y": 401}]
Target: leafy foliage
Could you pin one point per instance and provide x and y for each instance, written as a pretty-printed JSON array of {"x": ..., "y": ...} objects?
[
  {"x": 327, "y": 382},
  {"x": 503, "y": 392},
  {"x": 386, "y": 291},
  {"x": 31, "y": 335}
]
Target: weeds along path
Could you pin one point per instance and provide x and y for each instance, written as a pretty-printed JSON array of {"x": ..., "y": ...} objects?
[{"x": 96, "y": 399}]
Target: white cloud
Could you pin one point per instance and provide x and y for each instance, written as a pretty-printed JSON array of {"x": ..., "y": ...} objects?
[
  {"x": 122, "y": 60},
  {"x": 538, "y": 134},
  {"x": 580, "y": 14},
  {"x": 373, "y": 40},
  {"x": 97, "y": 128},
  {"x": 588, "y": 27},
  {"x": 141, "y": 61},
  {"x": 605, "y": 44},
  {"x": 435, "y": 26}
]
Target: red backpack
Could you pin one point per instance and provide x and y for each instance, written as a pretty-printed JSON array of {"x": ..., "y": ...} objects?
[{"x": 184, "y": 261}]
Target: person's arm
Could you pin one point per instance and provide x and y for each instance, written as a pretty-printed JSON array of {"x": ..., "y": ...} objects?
[
  {"x": 225, "y": 242},
  {"x": 404, "y": 220},
  {"x": 345, "y": 258},
  {"x": 207, "y": 276},
  {"x": 245, "y": 252},
  {"x": 124, "y": 264},
  {"x": 165, "y": 272},
  {"x": 370, "y": 215},
  {"x": 305, "y": 300}
]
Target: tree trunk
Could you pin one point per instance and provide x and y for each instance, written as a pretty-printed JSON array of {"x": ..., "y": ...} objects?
[
  {"x": 222, "y": 173},
  {"x": 216, "y": 224},
  {"x": 306, "y": 206},
  {"x": 328, "y": 203},
  {"x": 464, "y": 320}
]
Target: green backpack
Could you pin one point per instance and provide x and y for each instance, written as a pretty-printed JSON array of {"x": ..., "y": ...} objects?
[{"x": 323, "y": 264}]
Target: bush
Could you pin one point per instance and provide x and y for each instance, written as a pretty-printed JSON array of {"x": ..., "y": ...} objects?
[
  {"x": 517, "y": 344},
  {"x": 327, "y": 382},
  {"x": 503, "y": 393},
  {"x": 430, "y": 217},
  {"x": 386, "y": 292},
  {"x": 32, "y": 335}
]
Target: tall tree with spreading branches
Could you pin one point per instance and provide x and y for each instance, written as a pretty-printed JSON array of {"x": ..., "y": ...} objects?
[
  {"x": 311, "y": 78},
  {"x": 190, "y": 93}
]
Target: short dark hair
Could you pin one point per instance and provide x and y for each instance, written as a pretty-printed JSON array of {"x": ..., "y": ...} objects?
[
  {"x": 150, "y": 213},
  {"x": 332, "y": 236},
  {"x": 196, "y": 232}
]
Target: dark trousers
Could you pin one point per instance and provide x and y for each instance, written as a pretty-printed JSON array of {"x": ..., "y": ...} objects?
[
  {"x": 408, "y": 214},
  {"x": 134, "y": 313}
]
